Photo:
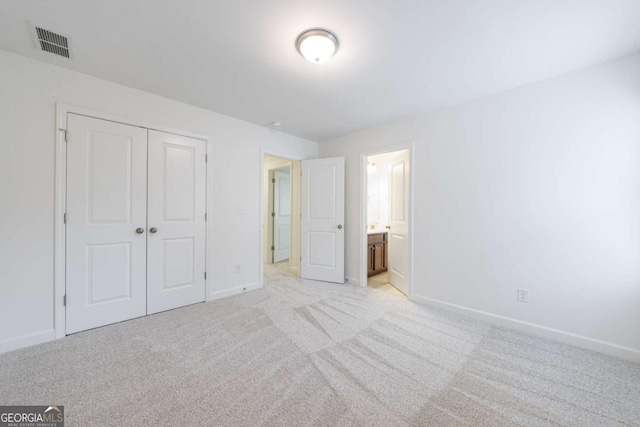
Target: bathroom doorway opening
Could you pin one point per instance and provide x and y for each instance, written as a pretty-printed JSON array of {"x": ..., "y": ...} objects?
[{"x": 387, "y": 244}]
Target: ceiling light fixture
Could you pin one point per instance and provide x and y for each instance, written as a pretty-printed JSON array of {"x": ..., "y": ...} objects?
[{"x": 317, "y": 45}]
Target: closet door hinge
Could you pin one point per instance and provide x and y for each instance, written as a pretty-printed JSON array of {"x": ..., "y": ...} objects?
[
  {"x": 64, "y": 300},
  {"x": 205, "y": 275},
  {"x": 273, "y": 248},
  {"x": 64, "y": 217},
  {"x": 205, "y": 216},
  {"x": 206, "y": 158},
  {"x": 273, "y": 180},
  {"x": 65, "y": 135}
]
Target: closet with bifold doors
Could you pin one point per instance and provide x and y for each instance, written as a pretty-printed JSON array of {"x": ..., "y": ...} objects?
[{"x": 135, "y": 222}]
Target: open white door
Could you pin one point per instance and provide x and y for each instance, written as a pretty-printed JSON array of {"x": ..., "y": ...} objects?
[
  {"x": 281, "y": 214},
  {"x": 177, "y": 206},
  {"x": 106, "y": 274},
  {"x": 399, "y": 237},
  {"x": 322, "y": 227}
]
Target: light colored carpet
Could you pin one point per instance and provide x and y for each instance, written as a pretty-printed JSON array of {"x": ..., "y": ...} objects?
[{"x": 303, "y": 353}]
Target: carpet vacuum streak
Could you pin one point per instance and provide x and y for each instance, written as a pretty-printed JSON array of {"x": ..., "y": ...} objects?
[{"x": 304, "y": 353}]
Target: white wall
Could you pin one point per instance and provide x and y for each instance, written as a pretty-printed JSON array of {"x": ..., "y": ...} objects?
[
  {"x": 537, "y": 187},
  {"x": 28, "y": 92}
]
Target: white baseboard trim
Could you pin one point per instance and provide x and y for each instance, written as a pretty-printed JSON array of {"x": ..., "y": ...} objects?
[
  {"x": 233, "y": 291},
  {"x": 353, "y": 281},
  {"x": 27, "y": 340},
  {"x": 581, "y": 341}
]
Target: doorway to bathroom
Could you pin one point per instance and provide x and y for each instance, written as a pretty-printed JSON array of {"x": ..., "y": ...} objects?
[{"x": 388, "y": 220}]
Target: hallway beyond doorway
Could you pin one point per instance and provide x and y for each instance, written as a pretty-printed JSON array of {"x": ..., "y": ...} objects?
[{"x": 280, "y": 212}]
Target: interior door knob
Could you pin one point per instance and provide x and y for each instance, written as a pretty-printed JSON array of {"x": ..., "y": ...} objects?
[
  {"x": 339, "y": 226},
  {"x": 139, "y": 230},
  {"x": 153, "y": 230}
]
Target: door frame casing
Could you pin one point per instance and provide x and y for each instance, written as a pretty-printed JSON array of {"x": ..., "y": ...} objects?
[
  {"x": 261, "y": 225},
  {"x": 362, "y": 251},
  {"x": 60, "y": 198}
]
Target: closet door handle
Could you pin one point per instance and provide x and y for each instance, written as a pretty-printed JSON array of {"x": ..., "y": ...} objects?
[
  {"x": 139, "y": 230},
  {"x": 153, "y": 230}
]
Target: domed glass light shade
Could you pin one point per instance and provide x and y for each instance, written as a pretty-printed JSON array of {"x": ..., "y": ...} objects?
[{"x": 317, "y": 45}]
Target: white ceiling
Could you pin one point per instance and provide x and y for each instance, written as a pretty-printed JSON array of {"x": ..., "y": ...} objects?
[{"x": 397, "y": 57}]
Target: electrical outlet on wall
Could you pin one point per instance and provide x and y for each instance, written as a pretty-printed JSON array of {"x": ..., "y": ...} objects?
[
  {"x": 523, "y": 295},
  {"x": 238, "y": 268}
]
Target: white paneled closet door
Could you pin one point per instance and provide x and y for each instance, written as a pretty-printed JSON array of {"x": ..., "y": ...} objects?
[
  {"x": 176, "y": 221},
  {"x": 106, "y": 219}
]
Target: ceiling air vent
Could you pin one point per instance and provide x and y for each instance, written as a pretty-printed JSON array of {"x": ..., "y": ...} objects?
[{"x": 49, "y": 41}]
